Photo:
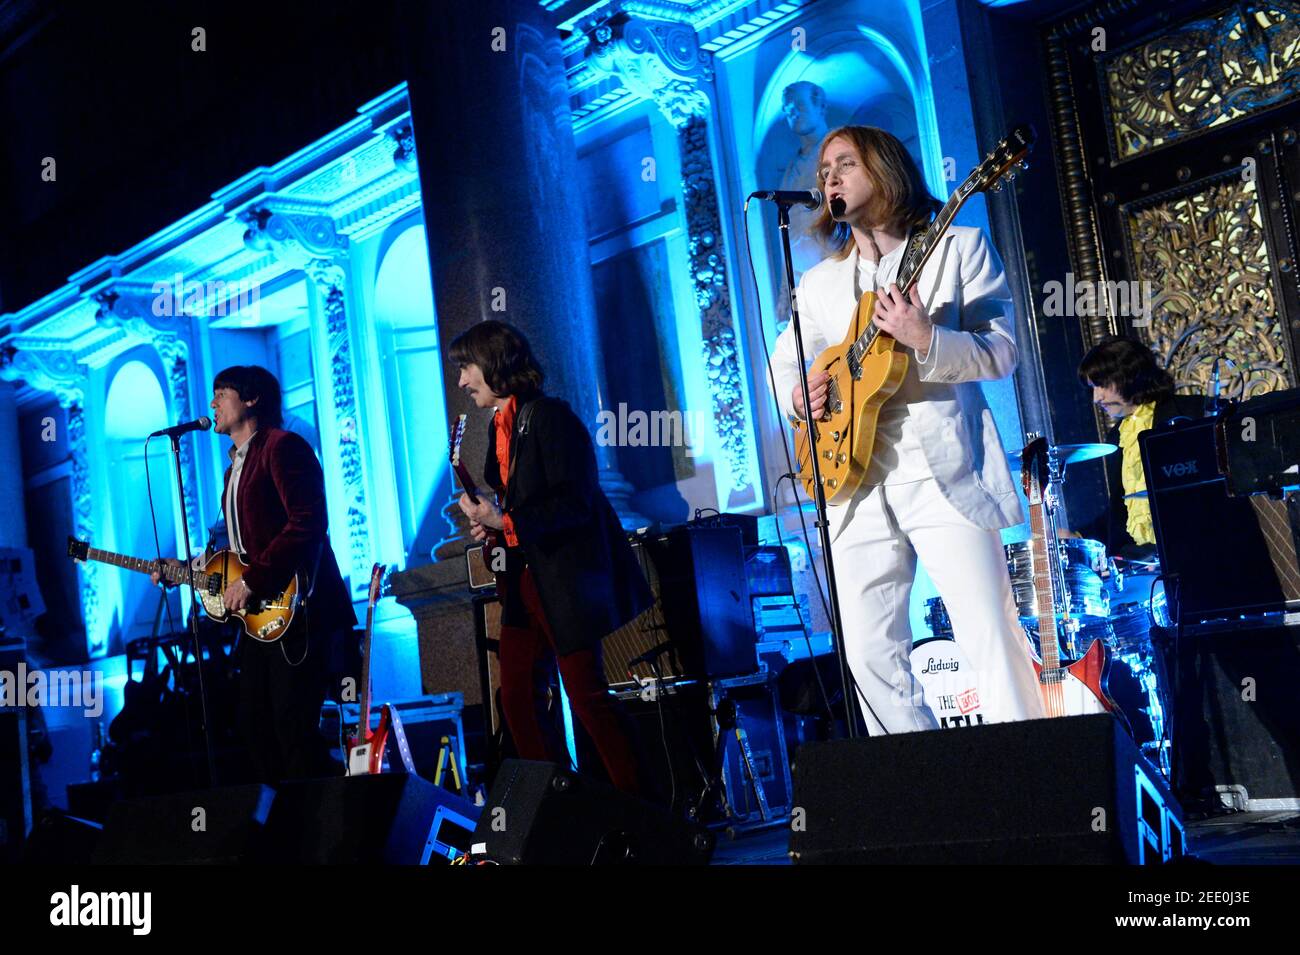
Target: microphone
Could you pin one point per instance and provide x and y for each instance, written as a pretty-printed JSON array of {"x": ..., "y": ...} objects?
[
  {"x": 808, "y": 198},
  {"x": 199, "y": 424}
]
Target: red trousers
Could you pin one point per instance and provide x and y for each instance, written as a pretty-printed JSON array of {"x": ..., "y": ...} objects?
[{"x": 523, "y": 650}]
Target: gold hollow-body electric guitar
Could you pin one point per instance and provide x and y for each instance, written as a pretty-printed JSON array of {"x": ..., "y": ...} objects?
[
  {"x": 267, "y": 621},
  {"x": 865, "y": 369}
]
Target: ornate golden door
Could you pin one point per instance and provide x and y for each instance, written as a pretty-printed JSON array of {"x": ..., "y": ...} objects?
[{"x": 1177, "y": 127}]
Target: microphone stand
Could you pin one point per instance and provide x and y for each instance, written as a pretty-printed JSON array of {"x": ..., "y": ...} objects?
[
  {"x": 194, "y": 614},
  {"x": 819, "y": 495}
]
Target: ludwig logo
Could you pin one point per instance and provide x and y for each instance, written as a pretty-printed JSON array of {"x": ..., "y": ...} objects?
[{"x": 1181, "y": 469}]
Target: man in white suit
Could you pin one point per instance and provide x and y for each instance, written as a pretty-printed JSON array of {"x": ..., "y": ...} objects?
[{"x": 938, "y": 486}]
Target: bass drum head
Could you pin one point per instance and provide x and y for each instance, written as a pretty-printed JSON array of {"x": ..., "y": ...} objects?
[{"x": 948, "y": 680}]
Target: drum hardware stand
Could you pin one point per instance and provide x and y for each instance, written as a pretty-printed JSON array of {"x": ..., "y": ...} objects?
[{"x": 729, "y": 722}]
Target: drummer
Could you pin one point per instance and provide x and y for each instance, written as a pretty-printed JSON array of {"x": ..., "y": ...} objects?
[{"x": 1129, "y": 384}]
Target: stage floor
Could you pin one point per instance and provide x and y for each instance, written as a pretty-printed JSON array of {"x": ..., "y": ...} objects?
[{"x": 1246, "y": 838}]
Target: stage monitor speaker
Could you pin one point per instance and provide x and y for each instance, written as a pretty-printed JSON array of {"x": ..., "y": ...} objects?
[
  {"x": 59, "y": 838},
  {"x": 540, "y": 814},
  {"x": 387, "y": 818},
  {"x": 1067, "y": 790},
  {"x": 203, "y": 827},
  {"x": 1215, "y": 550},
  {"x": 15, "y": 783},
  {"x": 1235, "y": 728}
]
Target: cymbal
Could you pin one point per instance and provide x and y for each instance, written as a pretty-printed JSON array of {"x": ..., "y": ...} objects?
[{"x": 1071, "y": 453}]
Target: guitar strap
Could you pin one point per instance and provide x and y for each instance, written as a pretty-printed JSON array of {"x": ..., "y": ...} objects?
[
  {"x": 521, "y": 429},
  {"x": 914, "y": 241}
]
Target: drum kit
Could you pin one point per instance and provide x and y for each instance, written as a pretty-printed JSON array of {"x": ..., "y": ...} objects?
[{"x": 1106, "y": 598}]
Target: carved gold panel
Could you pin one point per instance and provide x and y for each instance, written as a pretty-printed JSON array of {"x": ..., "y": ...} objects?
[
  {"x": 1203, "y": 74},
  {"x": 1205, "y": 255}
]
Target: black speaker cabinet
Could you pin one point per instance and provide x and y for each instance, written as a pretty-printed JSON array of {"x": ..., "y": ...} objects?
[
  {"x": 388, "y": 818},
  {"x": 205, "y": 827},
  {"x": 1215, "y": 550},
  {"x": 1235, "y": 726},
  {"x": 541, "y": 814},
  {"x": 1068, "y": 790},
  {"x": 703, "y": 620}
]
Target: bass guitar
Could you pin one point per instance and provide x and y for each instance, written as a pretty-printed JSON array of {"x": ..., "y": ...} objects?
[
  {"x": 865, "y": 370},
  {"x": 266, "y": 619}
]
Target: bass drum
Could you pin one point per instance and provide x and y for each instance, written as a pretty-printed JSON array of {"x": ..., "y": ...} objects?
[{"x": 949, "y": 682}]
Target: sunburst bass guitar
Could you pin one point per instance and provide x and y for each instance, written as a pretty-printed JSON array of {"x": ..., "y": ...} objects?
[{"x": 266, "y": 619}]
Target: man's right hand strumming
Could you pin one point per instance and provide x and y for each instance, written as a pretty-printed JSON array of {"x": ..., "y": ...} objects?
[
  {"x": 171, "y": 562},
  {"x": 817, "y": 384}
]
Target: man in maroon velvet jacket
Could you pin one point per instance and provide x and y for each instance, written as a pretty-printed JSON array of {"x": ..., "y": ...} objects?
[{"x": 274, "y": 505}]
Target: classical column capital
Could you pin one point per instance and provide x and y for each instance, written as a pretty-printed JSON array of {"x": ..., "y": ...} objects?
[
  {"x": 293, "y": 238},
  {"x": 657, "y": 60},
  {"x": 148, "y": 315},
  {"x": 403, "y": 137},
  {"x": 53, "y": 370},
  {"x": 328, "y": 274}
]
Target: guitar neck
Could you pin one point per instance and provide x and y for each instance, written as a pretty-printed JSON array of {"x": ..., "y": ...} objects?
[
  {"x": 363, "y": 725},
  {"x": 909, "y": 271},
  {"x": 1044, "y": 588},
  {"x": 172, "y": 574}
]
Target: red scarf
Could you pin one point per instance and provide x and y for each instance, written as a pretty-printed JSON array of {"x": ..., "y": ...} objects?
[{"x": 504, "y": 422}]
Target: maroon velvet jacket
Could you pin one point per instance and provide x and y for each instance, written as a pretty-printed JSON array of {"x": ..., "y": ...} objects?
[{"x": 283, "y": 524}]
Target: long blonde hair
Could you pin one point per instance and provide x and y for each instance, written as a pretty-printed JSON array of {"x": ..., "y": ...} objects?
[{"x": 899, "y": 194}]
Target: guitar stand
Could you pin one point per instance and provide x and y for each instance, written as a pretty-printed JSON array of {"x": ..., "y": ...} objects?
[
  {"x": 729, "y": 724},
  {"x": 447, "y": 757}
]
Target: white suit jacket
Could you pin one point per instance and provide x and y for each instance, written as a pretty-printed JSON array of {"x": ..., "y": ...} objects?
[{"x": 964, "y": 291}]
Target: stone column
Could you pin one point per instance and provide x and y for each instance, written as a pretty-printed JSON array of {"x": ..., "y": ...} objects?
[
  {"x": 662, "y": 62},
  {"x": 504, "y": 217}
]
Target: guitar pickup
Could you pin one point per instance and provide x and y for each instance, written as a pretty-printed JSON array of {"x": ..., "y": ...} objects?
[{"x": 270, "y": 627}]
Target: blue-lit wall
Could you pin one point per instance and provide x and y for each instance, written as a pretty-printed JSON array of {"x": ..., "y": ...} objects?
[{"x": 379, "y": 423}]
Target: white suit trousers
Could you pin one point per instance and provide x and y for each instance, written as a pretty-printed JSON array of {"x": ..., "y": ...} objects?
[{"x": 886, "y": 529}]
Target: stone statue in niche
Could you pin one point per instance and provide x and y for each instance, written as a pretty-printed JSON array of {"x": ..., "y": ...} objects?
[{"x": 804, "y": 107}]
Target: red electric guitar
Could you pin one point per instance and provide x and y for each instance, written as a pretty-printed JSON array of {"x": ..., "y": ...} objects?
[
  {"x": 366, "y": 748},
  {"x": 1078, "y": 688},
  {"x": 456, "y": 436}
]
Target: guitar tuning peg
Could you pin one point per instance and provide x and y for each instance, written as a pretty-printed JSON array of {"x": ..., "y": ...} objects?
[
  {"x": 1011, "y": 174},
  {"x": 1023, "y": 164},
  {"x": 996, "y": 187}
]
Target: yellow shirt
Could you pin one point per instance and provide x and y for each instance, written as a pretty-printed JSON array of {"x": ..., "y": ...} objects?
[{"x": 1131, "y": 475}]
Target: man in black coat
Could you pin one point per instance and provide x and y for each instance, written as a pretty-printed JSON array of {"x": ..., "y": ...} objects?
[
  {"x": 570, "y": 576},
  {"x": 1130, "y": 386}
]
